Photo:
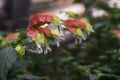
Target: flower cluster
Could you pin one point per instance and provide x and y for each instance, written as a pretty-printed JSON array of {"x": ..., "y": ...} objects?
[{"x": 44, "y": 28}]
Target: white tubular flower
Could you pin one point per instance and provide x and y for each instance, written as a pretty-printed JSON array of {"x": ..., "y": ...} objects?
[
  {"x": 39, "y": 48},
  {"x": 58, "y": 44}
]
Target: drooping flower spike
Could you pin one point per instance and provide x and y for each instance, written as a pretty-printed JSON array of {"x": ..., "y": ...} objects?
[
  {"x": 78, "y": 28},
  {"x": 40, "y": 32}
]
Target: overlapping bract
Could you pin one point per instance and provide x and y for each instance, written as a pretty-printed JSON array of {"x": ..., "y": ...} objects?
[
  {"x": 40, "y": 19},
  {"x": 78, "y": 27},
  {"x": 74, "y": 25}
]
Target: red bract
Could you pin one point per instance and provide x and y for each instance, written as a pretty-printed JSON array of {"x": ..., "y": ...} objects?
[
  {"x": 45, "y": 31},
  {"x": 75, "y": 23},
  {"x": 40, "y": 19},
  {"x": 12, "y": 36},
  {"x": 73, "y": 30},
  {"x": 31, "y": 32}
]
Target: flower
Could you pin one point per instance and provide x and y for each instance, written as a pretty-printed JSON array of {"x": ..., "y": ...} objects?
[
  {"x": 75, "y": 26},
  {"x": 39, "y": 38},
  {"x": 31, "y": 32},
  {"x": 35, "y": 35},
  {"x": 79, "y": 28},
  {"x": 12, "y": 36},
  {"x": 40, "y": 32},
  {"x": 117, "y": 33}
]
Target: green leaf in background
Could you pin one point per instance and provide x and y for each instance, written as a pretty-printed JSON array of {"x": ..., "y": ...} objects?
[
  {"x": 30, "y": 77},
  {"x": 8, "y": 56},
  {"x": 1, "y": 37},
  {"x": 72, "y": 15},
  {"x": 93, "y": 77}
]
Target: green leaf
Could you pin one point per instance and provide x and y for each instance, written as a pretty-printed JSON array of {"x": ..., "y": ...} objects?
[
  {"x": 1, "y": 38},
  {"x": 72, "y": 15},
  {"x": 93, "y": 77},
  {"x": 8, "y": 56}
]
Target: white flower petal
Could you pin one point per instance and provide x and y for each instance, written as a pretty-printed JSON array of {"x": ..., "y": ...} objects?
[
  {"x": 48, "y": 48},
  {"x": 80, "y": 40},
  {"x": 39, "y": 50},
  {"x": 58, "y": 44},
  {"x": 45, "y": 50}
]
